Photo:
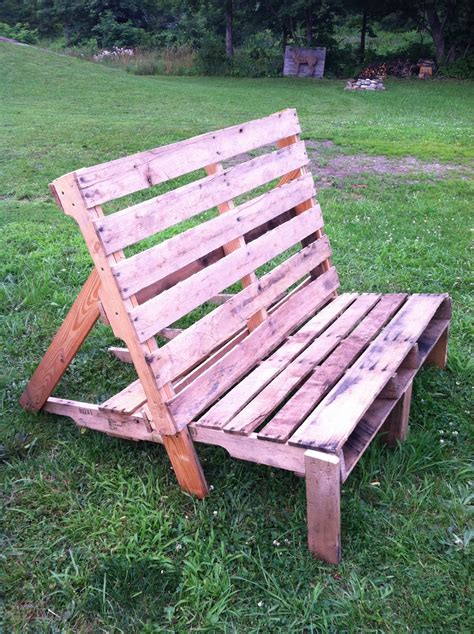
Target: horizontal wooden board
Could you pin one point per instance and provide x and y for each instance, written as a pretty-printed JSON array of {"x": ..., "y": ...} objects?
[
  {"x": 201, "y": 338},
  {"x": 297, "y": 408},
  {"x": 227, "y": 371},
  {"x": 159, "y": 261},
  {"x": 259, "y": 408},
  {"x": 127, "y": 400},
  {"x": 135, "y": 223},
  {"x": 333, "y": 420},
  {"x": 165, "y": 309},
  {"x": 123, "y": 176}
]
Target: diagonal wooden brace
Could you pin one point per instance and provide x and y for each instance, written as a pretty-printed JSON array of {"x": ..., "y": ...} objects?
[{"x": 65, "y": 345}]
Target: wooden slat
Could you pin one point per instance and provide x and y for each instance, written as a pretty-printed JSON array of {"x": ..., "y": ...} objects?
[
  {"x": 336, "y": 416},
  {"x": 287, "y": 419},
  {"x": 253, "y": 414},
  {"x": 228, "y": 370},
  {"x": 211, "y": 330},
  {"x": 229, "y": 405},
  {"x": 127, "y": 400},
  {"x": 135, "y": 223},
  {"x": 172, "y": 304},
  {"x": 123, "y": 176},
  {"x": 151, "y": 265},
  {"x": 65, "y": 345}
]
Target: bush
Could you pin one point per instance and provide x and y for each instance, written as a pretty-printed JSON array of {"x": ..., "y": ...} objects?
[
  {"x": 260, "y": 56},
  {"x": 20, "y": 32},
  {"x": 211, "y": 58},
  {"x": 462, "y": 68},
  {"x": 111, "y": 33}
]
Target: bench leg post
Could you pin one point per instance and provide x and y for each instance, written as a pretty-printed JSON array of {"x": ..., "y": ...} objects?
[
  {"x": 185, "y": 462},
  {"x": 395, "y": 427},
  {"x": 439, "y": 355},
  {"x": 323, "y": 494}
]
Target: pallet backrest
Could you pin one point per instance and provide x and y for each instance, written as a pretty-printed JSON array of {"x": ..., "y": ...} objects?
[{"x": 153, "y": 288}]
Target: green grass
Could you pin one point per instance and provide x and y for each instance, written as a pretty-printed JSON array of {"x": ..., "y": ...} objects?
[{"x": 97, "y": 535}]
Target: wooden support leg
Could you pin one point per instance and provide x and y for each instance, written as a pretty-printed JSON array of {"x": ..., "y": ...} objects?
[
  {"x": 439, "y": 355},
  {"x": 67, "y": 341},
  {"x": 396, "y": 426},
  {"x": 323, "y": 494},
  {"x": 185, "y": 462}
]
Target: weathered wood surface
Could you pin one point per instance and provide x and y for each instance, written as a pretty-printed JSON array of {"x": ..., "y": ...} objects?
[
  {"x": 304, "y": 62},
  {"x": 290, "y": 378},
  {"x": 331, "y": 423},
  {"x": 166, "y": 308},
  {"x": 66, "y": 343},
  {"x": 210, "y": 331},
  {"x": 218, "y": 416},
  {"x": 123, "y": 176},
  {"x": 324, "y": 377},
  {"x": 227, "y": 371},
  {"x": 133, "y": 224},
  {"x": 323, "y": 495}
]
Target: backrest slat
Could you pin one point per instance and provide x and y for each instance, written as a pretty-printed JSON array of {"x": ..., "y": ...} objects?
[
  {"x": 140, "y": 221},
  {"x": 217, "y": 379},
  {"x": 165, "y": 309},
  {"x": 151, "y": 265},
  {"x": 200, "y": 339},
  {"x": 115, "y": 179}
]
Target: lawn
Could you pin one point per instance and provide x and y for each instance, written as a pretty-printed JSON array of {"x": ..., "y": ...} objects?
[{"x": 96, "y": 534}]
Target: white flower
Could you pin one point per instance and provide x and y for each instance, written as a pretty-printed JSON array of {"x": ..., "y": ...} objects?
[
  {"x": 214, "y": 513},
  {"x": 276, "y": 542},
  {"x": 260, "y": 604},
  {"x": 178, "y": 546}
]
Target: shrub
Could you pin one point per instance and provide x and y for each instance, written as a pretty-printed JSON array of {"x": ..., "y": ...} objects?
[
  {"x": 260, "y": 56},
  {"x": 20, "y": 32},
  {"x": 111, "y": 33},
  {"x": 463, "y": 68},
  {"x": 211, "y": 58}
]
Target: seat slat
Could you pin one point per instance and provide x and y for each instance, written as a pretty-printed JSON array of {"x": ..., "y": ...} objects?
[
  {"x": 127, "y": 400},
  {"x": 329, "y": 426},
  {"x": 201, "y": 338},
  {"x": 132, "y": 224},
  {"x": 151, "y": 265},
  {"x": 165, "y": 309},
  {"x": 260, "y": 407},
  {"x": 287, "y": 419},
  {"x": 228, "y": 370},
  {"x": 231, "y": 403},
  {"x": 123, "y": 176}
]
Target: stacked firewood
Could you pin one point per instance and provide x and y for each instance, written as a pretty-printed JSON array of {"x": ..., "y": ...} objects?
[{"x": 396, "y": 68}]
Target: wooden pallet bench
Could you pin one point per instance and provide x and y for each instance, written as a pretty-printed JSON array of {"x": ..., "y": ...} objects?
[{"x": 284, "y": 372}]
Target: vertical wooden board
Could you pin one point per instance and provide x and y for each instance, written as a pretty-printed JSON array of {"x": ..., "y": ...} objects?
[
  {"x": 323, "y": 494},
  {"x": 65, "y": 345},
  {"x": 396, "y": 426}
]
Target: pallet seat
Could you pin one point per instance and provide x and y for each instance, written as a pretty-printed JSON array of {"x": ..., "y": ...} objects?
[{"x": 279, "y": 368}]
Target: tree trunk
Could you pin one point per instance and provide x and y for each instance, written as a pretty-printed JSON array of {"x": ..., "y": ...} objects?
[
  {"x": 437, "y": 33},
  {"x": 229, "y": 42},
  {"x": 309, "y": 28},
  {"x": 363, "y": 33}
]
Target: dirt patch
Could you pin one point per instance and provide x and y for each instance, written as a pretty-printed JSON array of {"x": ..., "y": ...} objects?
[{"x": 329, "y": 164}]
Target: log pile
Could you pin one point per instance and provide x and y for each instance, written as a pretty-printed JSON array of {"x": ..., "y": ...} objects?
[{"x": 398, "y": 68}]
